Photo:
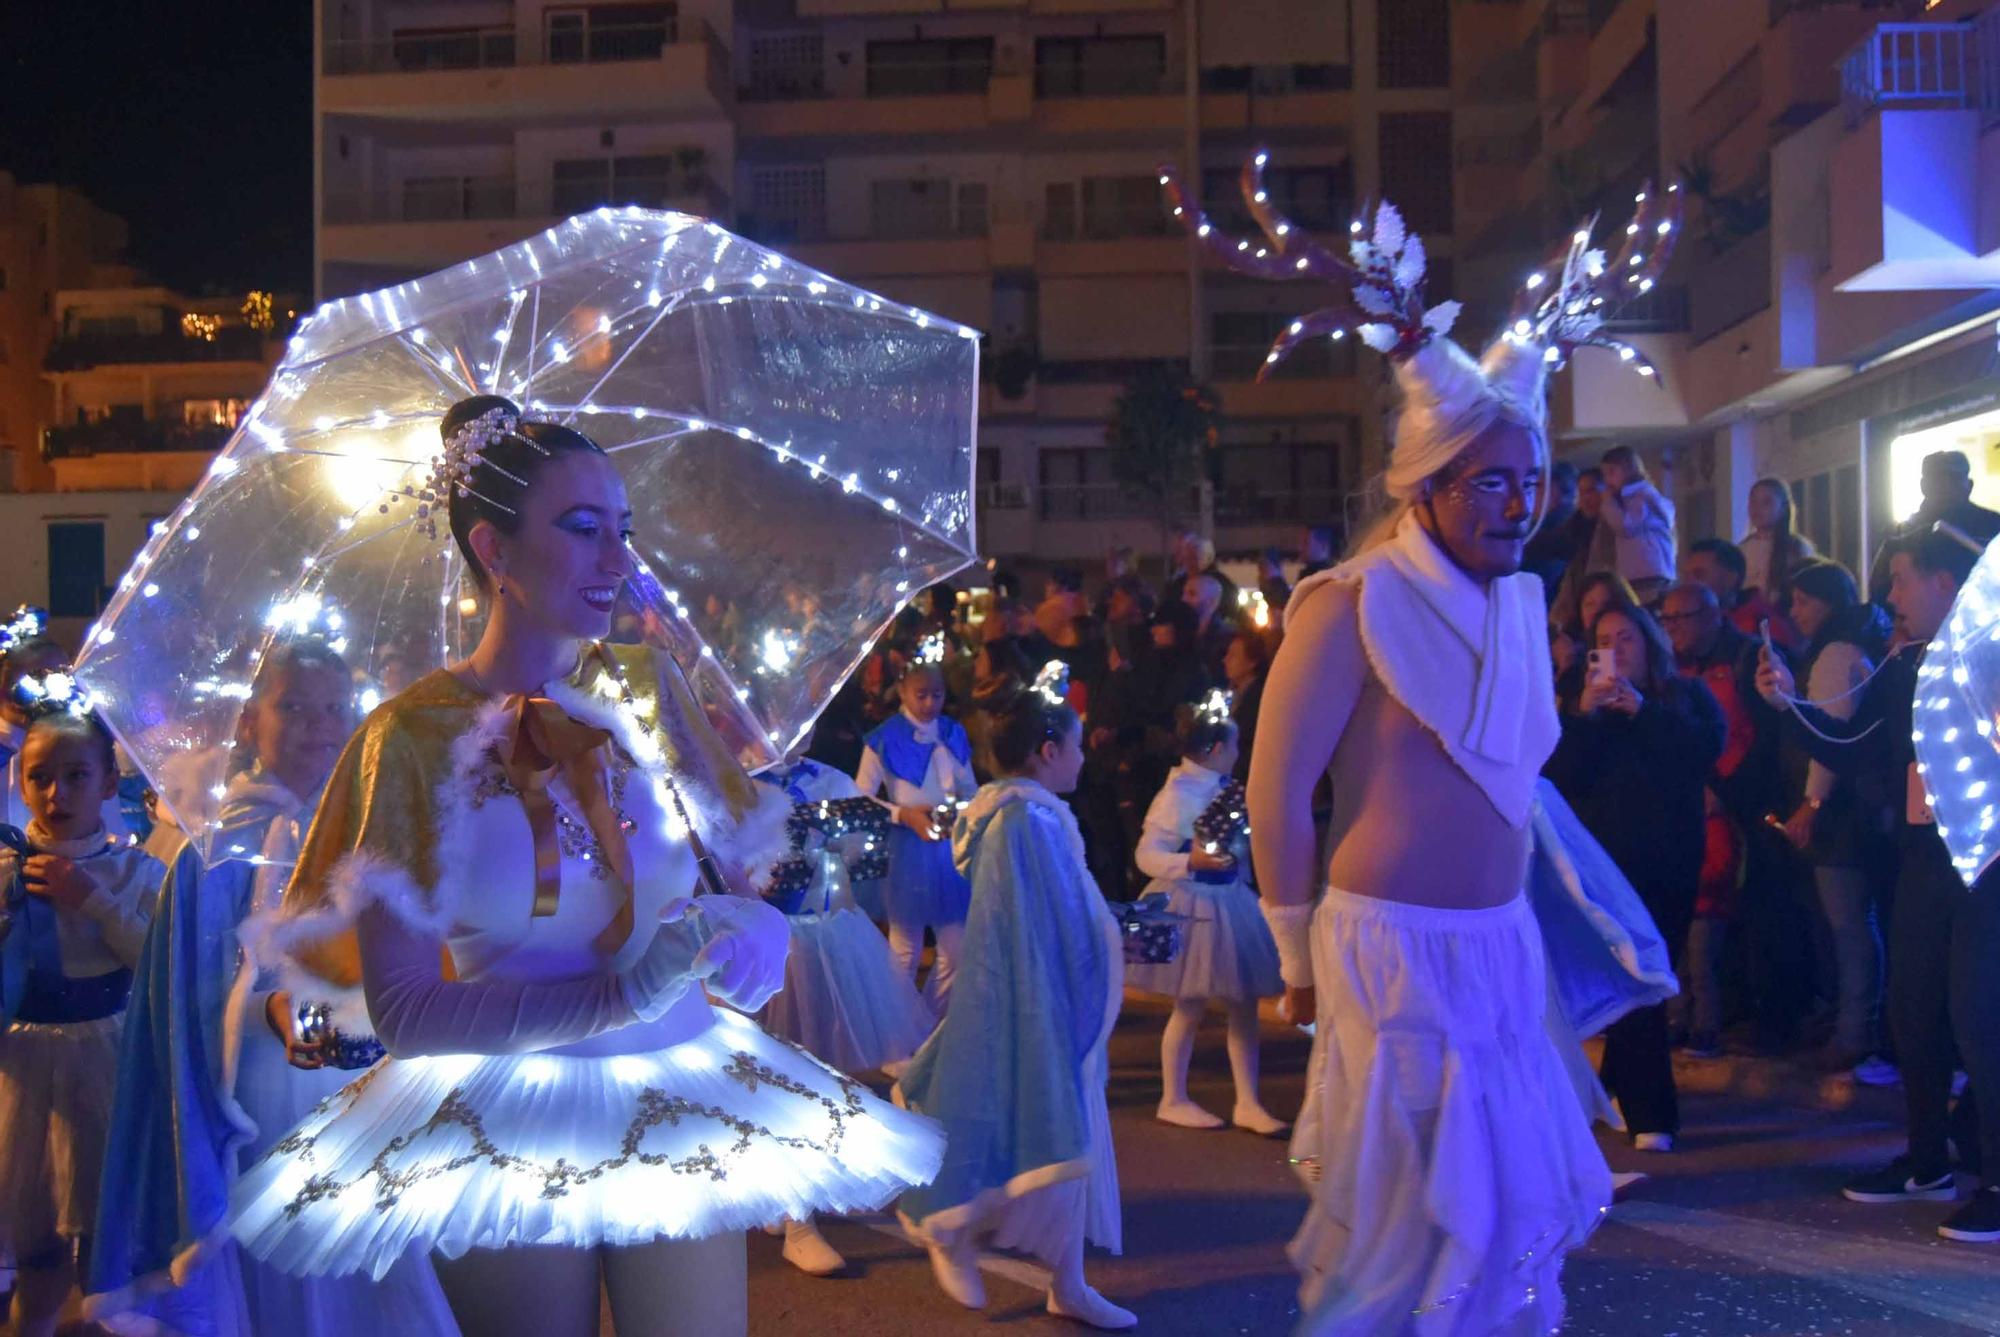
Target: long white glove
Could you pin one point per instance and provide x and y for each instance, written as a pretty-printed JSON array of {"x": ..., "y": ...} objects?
[
  {"x": 666, "y": 970},
  {"x": 744, "y": 959}
]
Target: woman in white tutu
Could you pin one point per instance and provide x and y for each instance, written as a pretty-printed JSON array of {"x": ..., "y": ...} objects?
[
  {"x": 844, "y": 999},
  {"x": 499, "y": 880},
  {"x": 1195, "y": 847}
]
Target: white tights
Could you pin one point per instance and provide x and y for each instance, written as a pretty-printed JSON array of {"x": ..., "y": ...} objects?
[
  {"x": 1177, "y": 1048},
  {"x": 906, "y": 945},
  {"x": 669, "y": 1288}
]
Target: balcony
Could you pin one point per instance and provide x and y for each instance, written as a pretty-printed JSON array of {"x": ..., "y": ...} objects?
[
  {"x": 120, "y": 436},
  {"x": 79, "y": 352},
  {"x": 1727, "y": 289},
  {"x": 1911, "y": 180},
  {"x": 504, "y": 76},
  {"x": 437, "y": 221}
]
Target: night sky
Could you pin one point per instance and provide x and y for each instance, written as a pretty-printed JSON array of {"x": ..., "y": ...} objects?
[{"x": 191, "y": 119}]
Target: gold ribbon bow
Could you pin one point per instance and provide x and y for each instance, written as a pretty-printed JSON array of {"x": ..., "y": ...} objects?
[{"x": 546, "y": 742}]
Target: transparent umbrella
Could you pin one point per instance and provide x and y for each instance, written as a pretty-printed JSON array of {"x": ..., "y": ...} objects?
[
  {"x": 1956, "y": 725},
  {"x": 799, "y": 455}
]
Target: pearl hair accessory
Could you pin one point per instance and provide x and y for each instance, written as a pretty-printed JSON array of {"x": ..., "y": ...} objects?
[{"x": 465, "y": 451}]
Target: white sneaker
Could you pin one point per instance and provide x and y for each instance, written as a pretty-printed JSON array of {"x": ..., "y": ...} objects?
[{"x": 1652, "y": 1141}]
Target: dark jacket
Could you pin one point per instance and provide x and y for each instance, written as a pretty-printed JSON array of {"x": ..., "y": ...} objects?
[
  {"x": 1874, "y": 747},
  {"x": 1636, "y": 784},
  {"x": 1977, "y": 523},
  {"x": 1748, "y": 777},
  {"x": 1856, "y": 824}
]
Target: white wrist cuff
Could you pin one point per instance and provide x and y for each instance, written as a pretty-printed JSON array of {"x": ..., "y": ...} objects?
[{"x": 1291, "y": 927}]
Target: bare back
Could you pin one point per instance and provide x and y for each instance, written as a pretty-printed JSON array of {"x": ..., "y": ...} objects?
[{"x": 1408, "y": 825}]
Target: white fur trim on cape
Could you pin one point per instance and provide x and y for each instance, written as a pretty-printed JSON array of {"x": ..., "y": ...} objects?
[{"x": 1019, "y": 789}]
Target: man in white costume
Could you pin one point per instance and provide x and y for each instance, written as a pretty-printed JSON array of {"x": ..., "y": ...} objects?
[{"x": 1450, "y": 1159}]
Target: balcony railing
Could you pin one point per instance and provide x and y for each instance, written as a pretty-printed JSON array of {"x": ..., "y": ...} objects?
[
  {"x": 1910, "y": 65},
  {"x": 496, "y": 198},
  {"x": 1235, "y": 504},
  {"x": 73, "y": 352},
  {"x": 505, "y": 48},
  {"x": 116, "y": 436},
  {"x": 1109, "y": 223}
]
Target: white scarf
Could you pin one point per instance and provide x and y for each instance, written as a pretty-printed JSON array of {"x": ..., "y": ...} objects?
[
  {"x": 1471, "y": 662},
  {"x": 927, "y": 734},
  {"x": 251, "y": 794}
]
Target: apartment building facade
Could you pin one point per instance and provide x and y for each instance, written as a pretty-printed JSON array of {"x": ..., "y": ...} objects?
[
  {"x": 1830, "y": 316},
  {"x": 996, "y": 163}
]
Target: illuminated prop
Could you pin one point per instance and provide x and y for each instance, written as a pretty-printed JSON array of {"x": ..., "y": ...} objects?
[
  {"x": 1378, "y": 285},
  {"x": 26, "y": 623},
  {"x": 1957, "y": 711},
  {"x": 798, "y": 454}
]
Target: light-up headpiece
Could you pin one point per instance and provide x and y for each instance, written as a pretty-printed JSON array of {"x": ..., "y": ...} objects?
[
  {"x": 1214, "y": 709},
  {"x": 465, "y": 451},
  {"x": 26, "y": 624},
  {"x": 1052, "y": 683},
  {"x": 55, "y": 693},
  {"x": 931, "y": 649}
]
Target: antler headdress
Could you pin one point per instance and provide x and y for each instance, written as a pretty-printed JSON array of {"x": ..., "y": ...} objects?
[{"x": 1448, "y": 398}]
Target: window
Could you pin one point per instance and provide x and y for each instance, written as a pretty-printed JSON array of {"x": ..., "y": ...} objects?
[
  {"x": 76, "y": 568},
  {"x": 1414, "y": 48},
  {"x": 454, "y": 48},
  {"x": 1279, "y": 481},
  {"x": 581, "y": 184},
  {"x": 788, "y": 66},
  {"x": 1124, "y": 206},
  {"x": 1077, "y": 484},
  {"x": 928, "y": 67},
  {"x": 788, "y": 203},
  {"x": 1059, "y": 210},
  {"x": 1099, "y": 66},
  {"x": 1416, "y": 167},
  {"x": 611, "y": 32}
]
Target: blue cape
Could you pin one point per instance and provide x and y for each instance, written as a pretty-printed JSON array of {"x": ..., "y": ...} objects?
[
  {"x": 172, "y": 1151},
  {"x": 895, "y": 741},
  {"x": 1605, "y": 955},
  {"x": 1004, "y": 1071}
]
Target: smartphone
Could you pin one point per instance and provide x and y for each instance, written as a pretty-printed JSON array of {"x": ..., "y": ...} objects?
[
  {"x": 1764, "y": 630},
  {"x": 1601, "y": 670}
]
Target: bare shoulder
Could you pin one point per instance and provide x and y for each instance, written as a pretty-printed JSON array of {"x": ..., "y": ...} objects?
[{"x": 1324, "y": 626}]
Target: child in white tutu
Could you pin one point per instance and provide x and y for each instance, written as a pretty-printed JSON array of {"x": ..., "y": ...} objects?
[
  {"x": 77, "y": 902},
  {"x": 1195, "y": 847},
  {"x": 844, "y": 1001},
  {"x": 1017, "y": 1070},
  {"x": 922, "y": 761}
]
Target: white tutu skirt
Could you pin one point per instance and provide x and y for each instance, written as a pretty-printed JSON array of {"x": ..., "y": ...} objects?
[
  {"x": 1455, "y": 1165},
  {"x": 57, "y": 1081},
  {"x": 722, "y": 1132},
  {"x": 844, "y": 1001},
  {"x": 1227, "y": 950}
]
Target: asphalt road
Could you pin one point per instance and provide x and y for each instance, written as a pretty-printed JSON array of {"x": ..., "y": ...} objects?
[{"x": 1741, "y": 1231}]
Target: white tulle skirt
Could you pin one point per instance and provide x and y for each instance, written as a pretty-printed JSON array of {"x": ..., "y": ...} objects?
[
  {"x": 1456, "y": 1166},
  {"x": 844, "y": 1001},
  {"x": 724, "y": 1131},
  {"x": 57, "y": 1081},
  {"x": 1226, "y": 947}
]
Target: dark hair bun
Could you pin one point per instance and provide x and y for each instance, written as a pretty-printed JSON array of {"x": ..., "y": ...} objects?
[{"x": 507, "y": 467}]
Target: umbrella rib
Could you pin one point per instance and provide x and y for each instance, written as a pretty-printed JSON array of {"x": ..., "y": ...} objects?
[
  {"x": 648, "y": 440},
  {"x": 455, "y": 386},
  {"x": 506, "y": 342},
  {"x": 534, "y": 336},
  {"x": 350, "y": 455},
  {"x": 328, "y": 554},
  {"x": 666, "y": 308}
]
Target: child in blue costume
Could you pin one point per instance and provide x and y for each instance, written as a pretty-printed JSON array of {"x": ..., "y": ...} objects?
[
  {"x": 213, "y": 1070},
  {"x": 844, "y": 1001},
  {"x": 922, "y": 760},
  {"x": 1016, "y": 1072},
  {"x": 76, "y": 904},
  {"x": 1196, "y": 848}
]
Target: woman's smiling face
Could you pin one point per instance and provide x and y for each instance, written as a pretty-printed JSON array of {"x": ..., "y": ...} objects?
[{"x": 565, "y": 563}]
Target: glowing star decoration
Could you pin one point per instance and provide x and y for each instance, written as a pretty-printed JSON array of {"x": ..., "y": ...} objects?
[
  {"x": 25, "y": 624},
  {"x": 54, "y": 692},
  {"x": 931, "y": 650},
  {"x": 1052, "y": 683},
  {"x": 797, "y": 454},
  {"x": 1956, "y": 725},
  {"x": 1214, "y": 708}
]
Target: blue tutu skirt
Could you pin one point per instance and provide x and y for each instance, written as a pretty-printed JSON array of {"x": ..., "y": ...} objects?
[
  {"x": 1227, "y": 950},
  {"x": 844, "y": 1001},
  {"x": 923, "y": 886}
]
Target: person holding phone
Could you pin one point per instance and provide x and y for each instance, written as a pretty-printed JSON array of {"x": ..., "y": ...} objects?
[{"x": 1638, "y": 743}]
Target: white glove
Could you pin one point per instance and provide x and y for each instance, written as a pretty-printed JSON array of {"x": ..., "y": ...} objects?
[
  {"x": 667, "y": 968},
  {"x": 744, "y": 960}
]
